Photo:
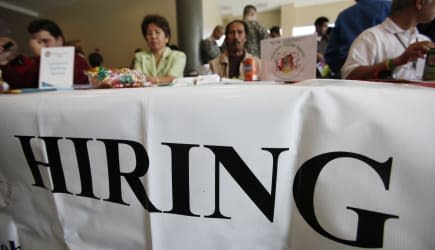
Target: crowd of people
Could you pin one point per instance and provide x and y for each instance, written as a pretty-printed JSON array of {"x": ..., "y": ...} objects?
[{"x": 371, "y": 39}]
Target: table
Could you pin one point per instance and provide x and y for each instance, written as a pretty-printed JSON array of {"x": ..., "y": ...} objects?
[{"x": 324, "y": 164}]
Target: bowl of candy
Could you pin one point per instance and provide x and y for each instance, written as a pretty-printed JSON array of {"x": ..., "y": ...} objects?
[{"x": 100, "y": 77}]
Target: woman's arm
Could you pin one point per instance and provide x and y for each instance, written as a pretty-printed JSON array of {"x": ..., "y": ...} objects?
[
  {"x": 176, "y": 70},
  {"x": 160, "y": 79},
  {"x": 178, "y": 65}
]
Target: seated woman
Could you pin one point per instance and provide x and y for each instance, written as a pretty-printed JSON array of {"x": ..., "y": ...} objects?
[{"x": 160, "y": 64}]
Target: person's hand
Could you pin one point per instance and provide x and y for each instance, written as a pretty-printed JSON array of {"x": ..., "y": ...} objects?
[
  {"x": 35, "y": 46},
  {"x": 414, "y": 51},
  {"x": 153, "y": 79}
]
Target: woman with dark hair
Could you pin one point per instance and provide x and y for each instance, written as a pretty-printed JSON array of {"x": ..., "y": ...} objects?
[{"x": 160, "y": 64}]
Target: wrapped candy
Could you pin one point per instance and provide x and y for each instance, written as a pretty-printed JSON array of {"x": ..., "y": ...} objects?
[
  {"x": 3, "y": 85},
  {"x": 101, "y": 77}
]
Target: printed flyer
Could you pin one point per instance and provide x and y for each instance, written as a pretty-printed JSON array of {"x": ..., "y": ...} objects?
[
  {"x": 289, "y": 59},
  {"x": 57, "y": 67}
]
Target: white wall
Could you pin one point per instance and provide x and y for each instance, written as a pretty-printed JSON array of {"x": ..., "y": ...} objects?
[
  {"x": 211, "y": 16},
  {"x": 293, "y": 16},
  {"x": 113, "y": 26}
]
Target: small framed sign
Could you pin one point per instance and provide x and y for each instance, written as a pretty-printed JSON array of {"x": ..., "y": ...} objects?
[{"x": 56, "y": 69}]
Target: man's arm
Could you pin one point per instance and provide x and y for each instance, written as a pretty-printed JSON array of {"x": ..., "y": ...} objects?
[{"x": 412, "y": 53}]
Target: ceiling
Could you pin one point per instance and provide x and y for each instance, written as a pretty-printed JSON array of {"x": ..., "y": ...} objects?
[{"x": 227, "y": 7}]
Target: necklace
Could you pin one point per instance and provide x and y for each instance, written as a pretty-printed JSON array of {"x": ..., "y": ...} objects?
[{"x": 414, "y": 63}]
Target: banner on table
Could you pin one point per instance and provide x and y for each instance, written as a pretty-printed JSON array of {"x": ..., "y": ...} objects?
[{"x": 219, "y": 167}]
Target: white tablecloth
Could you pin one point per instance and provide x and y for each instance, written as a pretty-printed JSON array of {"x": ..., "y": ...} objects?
[{"x": 317, "y": 165}]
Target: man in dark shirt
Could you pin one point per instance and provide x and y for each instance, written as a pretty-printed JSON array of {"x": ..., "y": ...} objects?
[
  {"x": 45, "y": 33},
  {"x": 17, "y": 70}
]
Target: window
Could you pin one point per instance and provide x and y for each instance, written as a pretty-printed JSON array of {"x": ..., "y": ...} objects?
[
  {"x": 306, "y": 30},
  {"x": 303, "y": 30}
]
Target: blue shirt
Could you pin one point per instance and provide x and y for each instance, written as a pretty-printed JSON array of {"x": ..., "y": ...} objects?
[{"x": 349, "y": 24}]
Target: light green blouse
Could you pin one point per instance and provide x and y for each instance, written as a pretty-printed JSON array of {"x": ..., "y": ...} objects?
[{"x": 172, "y": 63}]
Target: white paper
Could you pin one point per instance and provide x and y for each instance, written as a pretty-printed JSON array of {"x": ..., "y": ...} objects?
[
  {"x": 57, "y": 67},
  {"x": 289, "y": 59},
  {"x": 306, "y": 120}
]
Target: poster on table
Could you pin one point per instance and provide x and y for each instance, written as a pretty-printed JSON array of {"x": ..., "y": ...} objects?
[
  {"x": 289, "y": 59},
  {"x": 300, "y": 167},
  {"x": 56, "y": 69}
]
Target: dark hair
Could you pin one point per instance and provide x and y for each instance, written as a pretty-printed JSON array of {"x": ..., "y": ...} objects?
[
  {"x": 95, "y": 59},
  {"x": 249, "y": 7},
  {"x": 275, "y": 29},
  {"x": 238, "y": 21},
  {"x": 158, "y": 20},
  {"x": 47, "y": 25},
  {"x": 174, "y": 47},
  {"x": 321, "y": 20},
  {"x": 400, "y": 5}
]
